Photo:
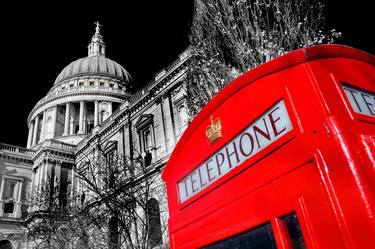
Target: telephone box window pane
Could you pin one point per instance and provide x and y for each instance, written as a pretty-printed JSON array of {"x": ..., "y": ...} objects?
[
  {"x": 257, "y": 238},
  {"x": 294, "y": 230},
  {"x": 362, "y": 101}
]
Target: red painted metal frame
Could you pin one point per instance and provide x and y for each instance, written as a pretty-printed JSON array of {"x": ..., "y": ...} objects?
[{"x": 323, "y": 169}]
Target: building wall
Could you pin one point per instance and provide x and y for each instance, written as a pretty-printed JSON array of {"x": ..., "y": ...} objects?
[
  {"x": 148, "y": 123},
  {"x": 15, "y": 184},
  {"x": 150, "y": 117}
]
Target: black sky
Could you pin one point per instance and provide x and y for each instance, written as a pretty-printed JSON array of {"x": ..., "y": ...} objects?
[{"x": 39, "y": 40}]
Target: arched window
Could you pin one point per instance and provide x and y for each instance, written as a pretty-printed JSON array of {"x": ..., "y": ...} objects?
[
  {"x": 148, "y": 145},
  {"x": 182, "y": 115},
  {"x": 153, "y": 221},
  {"x": 5, "y": 244}
]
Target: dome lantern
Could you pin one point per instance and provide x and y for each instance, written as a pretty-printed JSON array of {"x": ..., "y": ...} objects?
[{"x": 96, "y": 46}]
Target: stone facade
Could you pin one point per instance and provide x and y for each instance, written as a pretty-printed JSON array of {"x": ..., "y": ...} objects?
[
  {"x": 91, "y": 106},
  {"x": 16, "y": 179}
]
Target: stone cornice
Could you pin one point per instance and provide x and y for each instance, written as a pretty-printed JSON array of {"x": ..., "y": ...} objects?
[
  {"x": 15, "y": 153},
  {"x": 20, "y": 161},
  {"x": 53, "y": 150}
]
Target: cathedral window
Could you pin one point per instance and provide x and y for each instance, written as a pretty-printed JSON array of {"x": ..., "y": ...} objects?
[
  {"x": 10, "y": 194},
  {"x": 8, "y": 207},
  {"x": 182, "y": 115},
  {"x": 101, "y": 83},
  {"x": 110, "y": 153},
  {"x": 92, "y": 83},
  {"x": 10, "y": 189},
  {"x": 145, "y": 129},
  {"x": 147, "y": 144},
  {"x": 147, "y": 138},
  {"x": 81, "y": 83}
]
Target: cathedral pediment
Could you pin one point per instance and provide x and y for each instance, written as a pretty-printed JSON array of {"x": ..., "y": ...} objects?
[{"x": 143, "y": 120}]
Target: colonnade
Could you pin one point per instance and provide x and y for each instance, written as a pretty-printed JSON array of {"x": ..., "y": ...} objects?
[{"x": 38, "y": 124}]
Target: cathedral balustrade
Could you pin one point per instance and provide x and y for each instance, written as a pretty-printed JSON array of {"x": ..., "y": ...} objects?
[
  {"x": 16, "y": 150},
  {"x": 75, "y": 89},
  {"x": 60, "y": 145}
]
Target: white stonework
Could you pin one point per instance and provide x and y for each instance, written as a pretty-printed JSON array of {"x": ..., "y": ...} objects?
[{"x": 89, "y": 106}]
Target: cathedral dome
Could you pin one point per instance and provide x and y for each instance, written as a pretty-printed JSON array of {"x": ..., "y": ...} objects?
[
  {"x": 83, "y": 96},
  {"x": 97, "y": 65}
]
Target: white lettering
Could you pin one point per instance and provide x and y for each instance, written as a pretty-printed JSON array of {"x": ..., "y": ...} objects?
[{"x": 258, "y": 135}]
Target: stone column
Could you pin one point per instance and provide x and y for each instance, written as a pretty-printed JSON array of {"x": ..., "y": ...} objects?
[
  {"x": 44, "y": 181},
  {"x": 30, "y": 136},
  {"x": 164, "y": 137},
  {"x": 54, "y": 121},
  {"x": 1, "y": 196},
  {"x": 66, "y": 124},
  {"x": 170, "y": 124},
  {"x": 2, "y": 189},
  {"x": 110, "y": 108},
  {"x": 36, "y": 124},
  {"x": 81, "y": 115},
  {"x": 46, "y": 166},
  {"x": 96, "y": 113},
  {"x": 40, "y": 173},
  {"x": 57, "y": 180},
  {"x": 73, "y": 185},
  {"x": 20, "y": 191},
  {"x": 72, "y": 120},
  {"x": 43, "y": 126},
  {"x": 32, "y": 181},
  {"x": 19, "y": 201}
]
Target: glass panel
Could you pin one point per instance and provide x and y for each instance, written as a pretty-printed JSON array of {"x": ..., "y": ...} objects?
[
  {"x": 362, "y": 101},
  {"x": 8, "y": 207},
  {"x": 183, "y": 116},
  {"x": 257, "y": 238},
  {"x": 147, "y": 139},
  {"x": 294, "y": 230},
  {"x": 9, "y": 189}
]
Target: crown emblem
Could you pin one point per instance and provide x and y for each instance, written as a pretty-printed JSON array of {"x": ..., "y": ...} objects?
[{"x": 213, "y": 131}]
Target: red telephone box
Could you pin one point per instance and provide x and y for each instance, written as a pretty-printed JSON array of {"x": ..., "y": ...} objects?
[{"x": 283, "y": 157}]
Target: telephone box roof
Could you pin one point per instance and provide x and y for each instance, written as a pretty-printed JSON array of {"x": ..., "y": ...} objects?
[{"x": 288, "y": 60}]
